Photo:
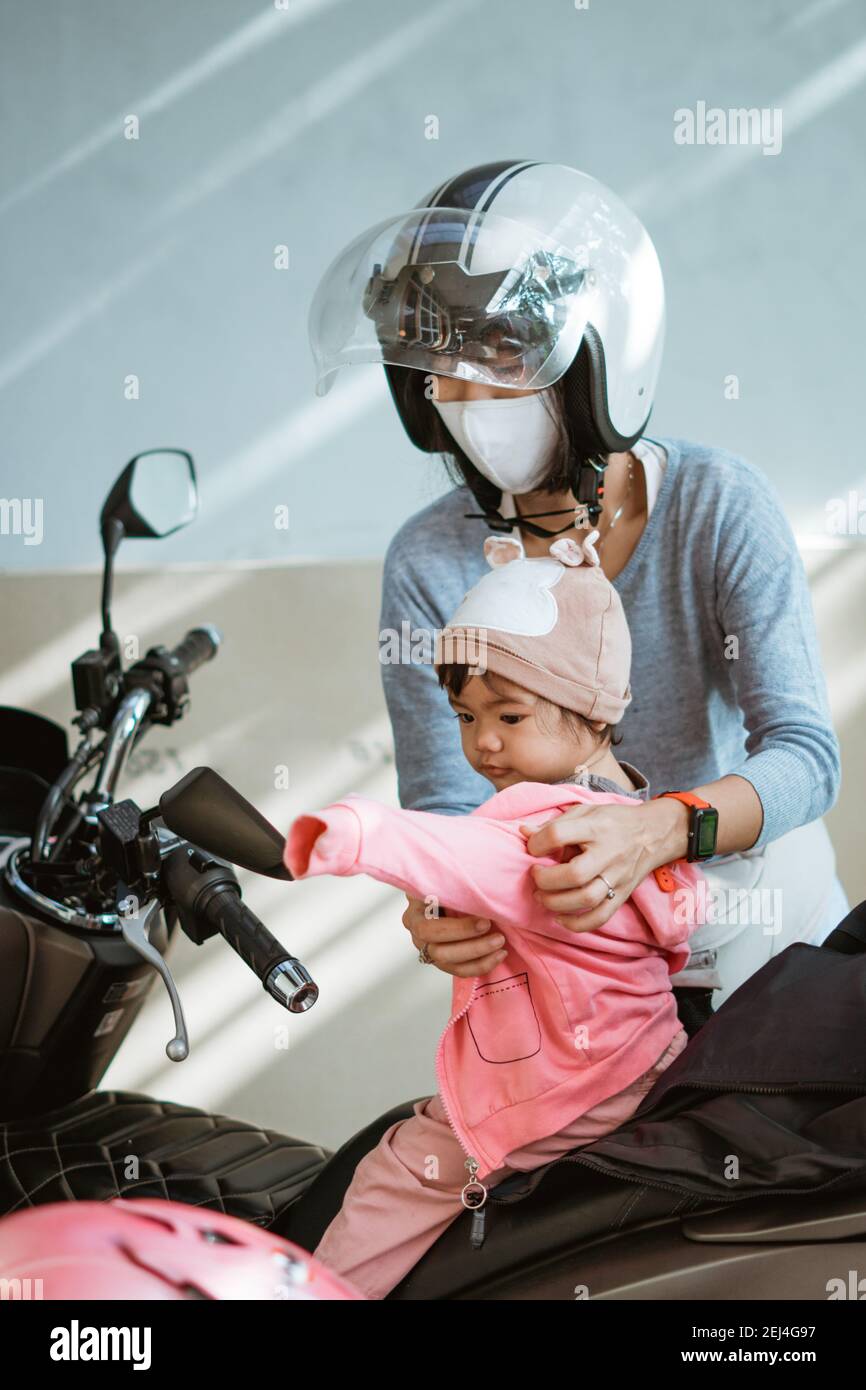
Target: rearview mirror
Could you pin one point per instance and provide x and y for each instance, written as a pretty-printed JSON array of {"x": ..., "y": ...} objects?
[
  {"x": 205, "y": 808},
  {"x": 154, "y": 495}
]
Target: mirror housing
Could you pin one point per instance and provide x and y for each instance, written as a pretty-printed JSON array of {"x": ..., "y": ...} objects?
[
  {"x": 155, "y": 495},
  {"x": 206, "y": 809}
]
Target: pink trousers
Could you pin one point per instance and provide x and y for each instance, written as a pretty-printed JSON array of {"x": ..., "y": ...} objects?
[{"x": 406, "y": 1191}]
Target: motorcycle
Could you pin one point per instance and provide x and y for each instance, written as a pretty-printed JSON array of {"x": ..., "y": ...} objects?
[{"x": 93, "y": 891}]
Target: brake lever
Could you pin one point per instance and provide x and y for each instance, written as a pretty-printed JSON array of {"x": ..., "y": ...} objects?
[{"x": 134, "y": 927}]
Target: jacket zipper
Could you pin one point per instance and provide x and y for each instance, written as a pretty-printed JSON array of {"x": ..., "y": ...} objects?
[
  {"x": 474, "y": 1194},
  {"x": 670, "y": 1187}
]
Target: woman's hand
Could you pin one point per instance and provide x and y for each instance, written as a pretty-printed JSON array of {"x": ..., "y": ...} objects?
[
  {"x": 624, "y": 843},
  {"x": 464, "y": 946}
]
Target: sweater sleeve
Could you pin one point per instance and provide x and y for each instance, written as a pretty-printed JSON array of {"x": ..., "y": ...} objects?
[
  {"x": 432, "y": 773},
  {"x": 469, "y": 864},
  {"x": 763, "y": 602}
]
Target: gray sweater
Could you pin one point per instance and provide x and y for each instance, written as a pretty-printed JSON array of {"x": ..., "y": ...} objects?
[{"x": 726, "y": 670}]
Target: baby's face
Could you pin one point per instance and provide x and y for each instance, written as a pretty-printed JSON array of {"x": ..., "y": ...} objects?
[{"x": 503, "y": 741}]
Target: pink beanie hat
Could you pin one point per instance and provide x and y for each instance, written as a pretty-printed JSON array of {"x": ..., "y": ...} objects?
[{"x": 554, "y": 625}]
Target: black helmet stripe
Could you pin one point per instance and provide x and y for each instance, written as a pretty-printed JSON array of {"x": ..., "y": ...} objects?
[
  {"x": 475, "y": 189},
  {"x": 492, "y": 194},
  {"x": 470, "y": 189}
]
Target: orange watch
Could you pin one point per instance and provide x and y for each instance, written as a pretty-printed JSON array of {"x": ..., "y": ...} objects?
[{"x": 703, "y": 830}]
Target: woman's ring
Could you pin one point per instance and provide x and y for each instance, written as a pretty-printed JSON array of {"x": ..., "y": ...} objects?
[
  {"x": 424, "y": 956},
  {"x": 610, "y": 893}
]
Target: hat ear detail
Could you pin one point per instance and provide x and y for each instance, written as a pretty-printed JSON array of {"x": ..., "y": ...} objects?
[
  {"x": 572, "y": 552},
  {"x": 501, "y": 550}
]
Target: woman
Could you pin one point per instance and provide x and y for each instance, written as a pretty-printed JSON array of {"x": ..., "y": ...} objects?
[{"x": 519, "y": 316}]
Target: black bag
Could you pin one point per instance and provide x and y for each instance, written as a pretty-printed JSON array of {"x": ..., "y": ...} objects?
[{"x": 770, "y": 1094}]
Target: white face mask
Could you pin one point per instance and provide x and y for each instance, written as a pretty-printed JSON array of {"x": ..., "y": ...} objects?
[{"x": 510, "y": 441}]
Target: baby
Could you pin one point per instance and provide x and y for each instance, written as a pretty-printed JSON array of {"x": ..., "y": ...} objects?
[{"x": 559, "y": 1043}]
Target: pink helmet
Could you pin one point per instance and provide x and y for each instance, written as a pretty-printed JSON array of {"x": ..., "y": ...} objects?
[{"x": 146, "y": 1248}]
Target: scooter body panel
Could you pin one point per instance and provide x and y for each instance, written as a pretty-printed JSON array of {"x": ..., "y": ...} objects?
[{"x": 67, "y": 1001}]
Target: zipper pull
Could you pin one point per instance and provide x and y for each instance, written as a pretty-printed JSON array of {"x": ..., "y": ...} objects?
[
  {"x": 473, "y": 1196},
  {"x": 476, "y": 1232}
]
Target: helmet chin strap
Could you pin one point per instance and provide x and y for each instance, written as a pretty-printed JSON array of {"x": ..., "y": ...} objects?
[{"x": 586, "y": 511}]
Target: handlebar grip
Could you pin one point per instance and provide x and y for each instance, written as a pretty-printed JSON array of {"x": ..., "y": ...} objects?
[
  {"x": 281, "y": 973},
  {"x": 199, "y": 645},
  {"x": 244, "y": 931}
]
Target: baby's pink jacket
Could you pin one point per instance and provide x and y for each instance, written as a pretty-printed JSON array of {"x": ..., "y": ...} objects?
[{"x": 567, "y": 1019}]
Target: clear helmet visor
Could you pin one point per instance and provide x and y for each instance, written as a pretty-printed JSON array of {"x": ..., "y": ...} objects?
[{"x": 456, "y": 293}]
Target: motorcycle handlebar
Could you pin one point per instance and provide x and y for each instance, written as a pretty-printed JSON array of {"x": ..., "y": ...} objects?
[
  {"x": 149, "y": 681},
  {"x": 199, "y": 645},
  {"x": 282, "y": 974},
  {"x": 206, "y": 890}
]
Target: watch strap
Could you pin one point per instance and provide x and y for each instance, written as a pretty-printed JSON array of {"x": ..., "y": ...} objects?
[{"x": 663, "y": 876}]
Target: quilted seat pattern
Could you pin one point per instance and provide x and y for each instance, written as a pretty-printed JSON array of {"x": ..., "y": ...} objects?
[{"x": 121, "y": 1144}]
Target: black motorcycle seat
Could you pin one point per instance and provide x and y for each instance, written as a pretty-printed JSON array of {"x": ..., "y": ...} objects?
[
  {"x": 569, "y": 1206},
  {"x": 543, "y": 1228},
  {"x": 555, "y": 1226},
  {"x": 84, "y": 1151}
]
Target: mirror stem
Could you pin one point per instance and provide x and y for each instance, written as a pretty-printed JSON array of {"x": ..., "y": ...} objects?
[{"x": 113, "y": 532}]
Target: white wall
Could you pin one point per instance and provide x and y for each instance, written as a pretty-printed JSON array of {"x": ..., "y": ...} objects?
[{"x": 303, "y": 125}]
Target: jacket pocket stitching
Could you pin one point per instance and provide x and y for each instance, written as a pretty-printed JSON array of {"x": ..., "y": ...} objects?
[
  {"x": 521, "y": 982},
  {"x": 502, "y": 989}
]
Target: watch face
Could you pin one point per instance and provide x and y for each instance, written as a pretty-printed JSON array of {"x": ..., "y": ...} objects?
[{"x": 708, "y": 824}]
